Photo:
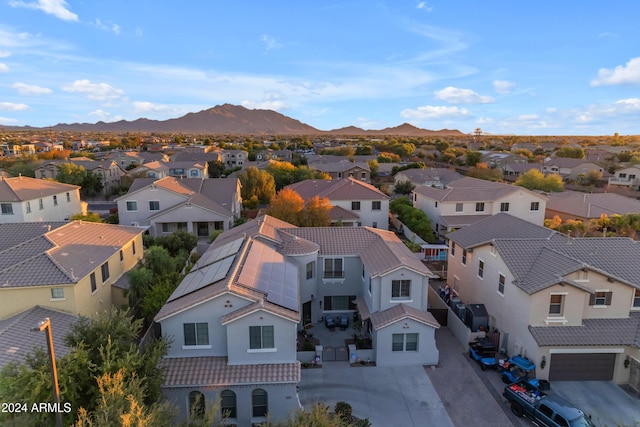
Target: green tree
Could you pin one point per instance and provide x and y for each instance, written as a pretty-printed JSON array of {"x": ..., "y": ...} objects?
[
  {"x": 482, "y": 171},
  {"x": 473, "y": 157},
  {"x": 404, "y": 150},
  {"x": 257, "y": 183},
  {"x": 571, "y": 152},
  {"x": 216, "y": 168},
  {"x": 89, "y": 217},
  {"x": 535, "y": 180},
  {"x": 374, "y": 167},
  {"x": 286, "y": 205},
  {"x": 415, "y": 219},
  {"x": 70, "y": 173},
  {"x": 92, "y": 185},
  {"x": 404, "y": 187}
]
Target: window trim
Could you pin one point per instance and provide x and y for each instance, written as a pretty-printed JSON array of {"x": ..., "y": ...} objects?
[
  {"x": 403, "y": 290},
  {"x": 261, "y": 348},
  {"x": 93, "y": 282},
  {"x": 232, "y": 411},
  {"x": 135, "y": 205},
  {"x": 607, "y": 296},
  {"x": 405, "y": 342},
  {"x": 102, "y": 272},
  {"x": 356, "y": 205},
  {"x": 535, "y": 205},
  {"x": 480, "y": 206},
  {"x": 6, "y": 208},
  {"x": 55, "y": 298},
  {"x": 502, "y": 281},
  {"x": 311, "y": 266},
  {"x": 195, "y": 346},
  {"x": 504, "y": 206},
  {"x": 461, "y": 206},
  {"x": 376, "y": 205},
  {"x": 333, "y": 274},
  {"x": 262, "y": 413},
  {"x": 560, "y": 314},
  {"x": 156, "y": 203},
  {"x": 481, "y": 269}
]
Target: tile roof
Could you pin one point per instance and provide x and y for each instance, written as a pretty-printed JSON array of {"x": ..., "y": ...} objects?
[
  {"x": 341, "y": 189},
  {"x": 339, "y": 166},
  {"x": 24, "y": 188},
  {"x": 214, "y": 371},
  {"x": 593, "y": 332},
  {"x": 399, "y": 312},
  {"x": 63, "y": 255},
  {"x": 16, "y": 339},
  {"x": 584, "y": 205},
  {"x": 421, "y": 176},
  {"x": 338, "y": 213},
  {"x": 459, "y": 221},
  {"x": 293, "y": 245},
  {"x": 470, "y": 190},
  {"x": 261, "y": 305},
  {"x": 564, "y": 162}
]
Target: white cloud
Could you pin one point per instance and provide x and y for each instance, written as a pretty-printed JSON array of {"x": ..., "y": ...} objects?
[
  {"x": 25, "y": 89},
  {"x": 4, "y": 68},
  {"x": 109, "y": 26},
  {"x": 105, "y": 116},
  {"x": 265, "y": 105},
  {"x": 503, "y": 87},
  {"x": 622, "y": 74},
  {"x": 456, "y": 95},
  {"x": 150, "y": 107},
  {"x": 4, "y": 54},
  {"x": 424, "y": 6},
  {"x": 7, "y": 121},
  {"x": 365, "y": 123},
  {"x": 527, "y": 117},
  {"x": 57, "y": 8},
  {"x": 10, "y": 106},
  {"x": 95, "y": 91},
  {"x": 270, "y": 42},
  {"x": 433, "y": 112}
]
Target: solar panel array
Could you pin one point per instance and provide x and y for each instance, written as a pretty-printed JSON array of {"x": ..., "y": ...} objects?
[
  {"x": 268, "y": 271},
  {"x": 212, "y": 267}
]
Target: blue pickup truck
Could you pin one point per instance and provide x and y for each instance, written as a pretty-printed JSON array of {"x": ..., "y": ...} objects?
[{"x": 547, "y": 410}]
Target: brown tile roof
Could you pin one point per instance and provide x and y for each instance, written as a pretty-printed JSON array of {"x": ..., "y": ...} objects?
[
  {"x": 341, "y": 189},
  {"x": 337, "y": 213},
  {"x": 470, "y": 190},
  {"x": 584, "y": 205},
  {"x": 399, "y": 312},
  {"x": 293, "y": 245},
  {"x": 216, "y": 372},
  {"x": 593, "y": 332},
  {"x": 25, "y": 188}
]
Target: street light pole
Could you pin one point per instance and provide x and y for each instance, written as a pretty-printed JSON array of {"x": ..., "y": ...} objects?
[{"x": 45, "y": 325}]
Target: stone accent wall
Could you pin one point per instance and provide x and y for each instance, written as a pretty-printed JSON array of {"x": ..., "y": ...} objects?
[{"x": 634, "y": 374}]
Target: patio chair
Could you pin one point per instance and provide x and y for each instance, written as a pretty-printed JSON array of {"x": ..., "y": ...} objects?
[
  {"x": 344, "y": 322},
  {"x": 328, "y": 321}
]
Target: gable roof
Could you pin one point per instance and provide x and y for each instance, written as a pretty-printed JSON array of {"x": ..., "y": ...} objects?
[
  {"x": 382, "y": 319},
  {"x": 24, "y": 188},
  {"x": 421, "y": 176},
  {"x": 339, "y": 166},
  {"x": 16, "y": 341},
  {"x": 471, "y": 190},
  {"x": 592, "y": 205},
  {"x": 341, "y": 189},
  {"x": 61, "y": 255}
]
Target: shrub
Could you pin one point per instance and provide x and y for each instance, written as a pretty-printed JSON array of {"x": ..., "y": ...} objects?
[{"x": 343, "y": 410}]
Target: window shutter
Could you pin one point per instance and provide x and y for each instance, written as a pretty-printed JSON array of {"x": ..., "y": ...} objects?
[
  {"x": 592, "y": 299},
  {"x": 607, "y": 300}
]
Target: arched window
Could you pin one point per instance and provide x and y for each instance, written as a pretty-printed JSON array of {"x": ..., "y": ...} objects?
[
  {"x": 259, "y": 402},
  {"x": 228, "y": 404},
  {"x": 196, "y": 405}
]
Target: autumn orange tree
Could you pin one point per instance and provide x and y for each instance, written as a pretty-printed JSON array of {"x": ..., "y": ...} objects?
[{"x": 288, "y": 206}]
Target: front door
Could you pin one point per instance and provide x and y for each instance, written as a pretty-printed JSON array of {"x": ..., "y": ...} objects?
[
  {"x": 203, "y": 229},
  {"x": 306, "y": 313}
]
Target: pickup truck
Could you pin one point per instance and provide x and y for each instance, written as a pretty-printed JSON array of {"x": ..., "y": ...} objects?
[{"x": 545, "y": 410}]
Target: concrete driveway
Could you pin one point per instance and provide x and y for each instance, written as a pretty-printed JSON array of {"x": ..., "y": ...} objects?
[
  {"x": 388, "y": 396},
  {"x": 607, "y": 403}
]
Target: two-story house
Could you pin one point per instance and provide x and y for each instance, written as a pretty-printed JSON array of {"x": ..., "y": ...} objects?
[
  {"x": 355, "y": 203},
  {"x": 344, "y": 169},
  {"x": 569, "y": 168},
  {"x": 572, "y": 305},
  {"x": 468, "y": 200},
  {"x": 24, "y": 199},
  {"x": 627, "y": 177},
  {"x": 586, "y": 206},
  {"x": 126, "y": 159},
  {"x": 234, "y": 318},
  {"x": 199, "y": 206},
  {"x": 108, "y": 171},
  {"x": 430, "y": 177},
  {"x": 68, "y": 267},
  {"x": 176, "y": 169}
]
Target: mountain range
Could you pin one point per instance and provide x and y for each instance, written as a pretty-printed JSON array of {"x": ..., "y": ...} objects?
[{"x": 234, "y": 119}]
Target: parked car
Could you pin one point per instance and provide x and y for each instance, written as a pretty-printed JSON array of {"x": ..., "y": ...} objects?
[{"x": 548, "y": 410}]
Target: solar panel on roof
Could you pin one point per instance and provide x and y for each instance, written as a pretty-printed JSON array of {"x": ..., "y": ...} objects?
[
  {"x": 219, "y": 253},
  {"x": 202, "y": 277}
]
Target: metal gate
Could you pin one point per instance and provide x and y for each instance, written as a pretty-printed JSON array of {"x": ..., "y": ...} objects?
[{"x": 331, "y": 354}]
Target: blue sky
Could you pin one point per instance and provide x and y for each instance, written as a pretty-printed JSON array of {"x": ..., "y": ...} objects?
[{"x": 508, "y": 67}]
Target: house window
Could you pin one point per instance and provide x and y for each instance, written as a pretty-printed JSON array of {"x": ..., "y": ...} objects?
[
  {"x": 261, "y": 337},
  {"x": 94, "y": 285},
  {"x": 376, "y": 205},
  {"x": 404, "y": 342},
  {"x": 453, "y": 249},
  {"x": 459, "y": 207},
  {"x": 104, "y": 269},
  {"x": 582, "y": 276},
  {"x": 480, "y": 268},
  {"x": 228, "y": 404},
  {"x": 68, "y": 197},
  {"x": 196, "y": 405},
  {"x": 535, "y": 206},
  {"x": 194, "y": 172},
  {"x": 636, "y": 299},
  {"x": 196, "y": 333},
  {"x": 480, "y": 207},
  {"x": 333, "y": 268},
  {"x": 556, "y": 305},
  {"x": 374, "y": 224},
  {"x": 436, "y": 204},
  {"x": 501, "y": 280},
  {"x": 166, "y": 228},
  {"x": 154, "y": 205},
  {"x": 311, "y": 266},
  {"x": 57, "y": 293},
  {"x": 504, "y": 207},
  {"x": 601, "y": 298},
  {"x": 133, "y": 247},
  {"x": 464, "y": 257},
  {"x": 401, "y": 289},
  {"x": 340, "y": 303},
  {"x": 259, "y": 403},
  {"x": 355, "y": 206},
  {"x": 623, "y": 175},
  {"x": 55, "y": 200},
  {"x": 6, "y": 208},
  {"x": 28, "y": 207},
  {"x": 121, "y": 256},
  {"x": 132, "y": 206},
  {"x": 182, "y": 226},
  {"x": 41, "y": 204}
]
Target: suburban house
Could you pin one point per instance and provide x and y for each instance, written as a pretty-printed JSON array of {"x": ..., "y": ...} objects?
[
  {"x": 235, "y": 317},
  {"x": 354, "y": 202},
  {"x": 468, "y": 200},
  {"x": 67, "y": 267},
  {"x": 344, "y": 169},
  {"x": 177, "y": 169},
  {"x": 128, "y": 158},
  {"x": 627, "y": 177},
  {"x": 199, "y": 206},
  {"x": 109, "y": 171},
  {"x": 233, "y": 158},
  {"x": 279, "y": 155},
  {"x": 586, "y": 206},
  {"x": 430, "y": 177},
  {"x": 24, "y": 199},
  {"x": 572, "y": 305},
  {"x": 15, "y": 344},
  {"x": 569, "y": 168}
]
